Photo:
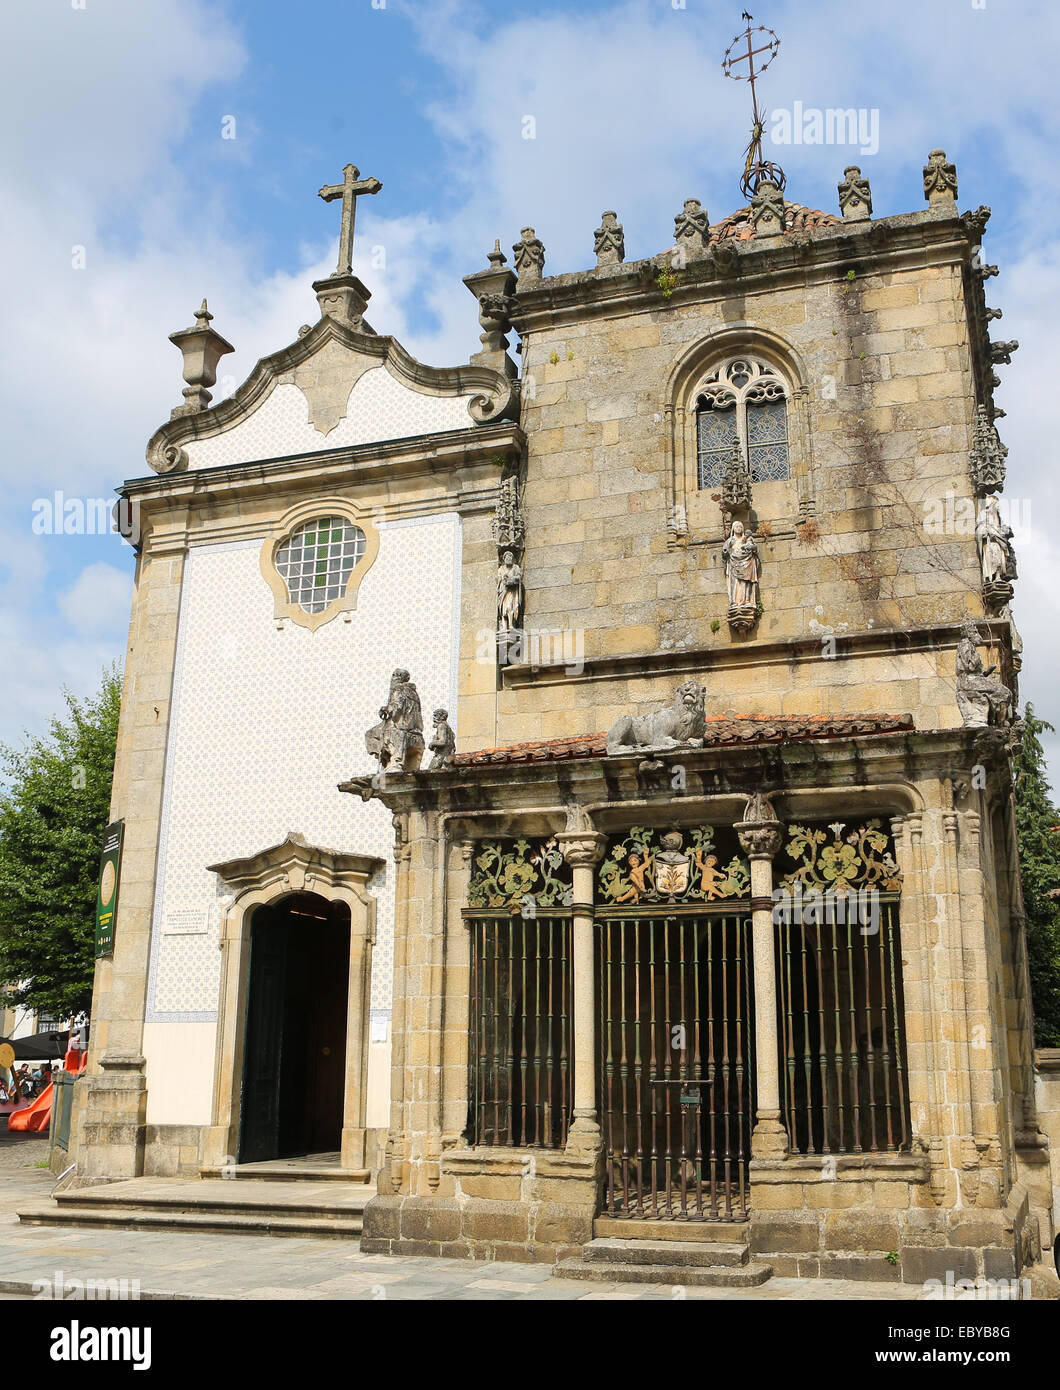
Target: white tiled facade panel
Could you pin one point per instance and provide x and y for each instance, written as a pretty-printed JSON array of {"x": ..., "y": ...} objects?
[
  {"x": 266, "y": 722},
  {"x": 379, "y": 407}
]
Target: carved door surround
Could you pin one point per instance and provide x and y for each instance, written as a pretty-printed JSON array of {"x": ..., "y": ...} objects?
[{"x": 295, "y": 866}]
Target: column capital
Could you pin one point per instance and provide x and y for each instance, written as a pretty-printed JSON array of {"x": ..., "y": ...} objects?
[
  {"x": 582, "y": 848},
  {"x": 760, "y": 839}
]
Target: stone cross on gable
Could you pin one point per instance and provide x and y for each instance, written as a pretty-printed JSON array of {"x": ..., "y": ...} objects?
[{"x": 349, "y": 190}]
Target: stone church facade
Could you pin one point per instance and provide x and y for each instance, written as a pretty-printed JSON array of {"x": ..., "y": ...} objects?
[{"x": 692, "y": 913}]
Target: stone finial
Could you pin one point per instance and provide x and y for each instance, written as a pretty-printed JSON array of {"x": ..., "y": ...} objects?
[
  {"x": 940, "y": 179},
  {"x": 609, "y": 241},
  {"x": 203, "y": 348},
  {"x": 986, "y": 456},
  {"x": 1002, "y": 352},
  {"x": 494, "y": 289},
  {"x": 692, "y": 230},
  {"x": 767, "y": 209},
  {"x": 855, "y": 196},
  {"x": 529, "y": 256}
]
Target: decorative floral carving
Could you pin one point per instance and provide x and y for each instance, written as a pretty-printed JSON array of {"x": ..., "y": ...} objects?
[
  {"x": 529, "y": 256},
  {"x": 653, "y": 867},
  {"x": 609, "y": 240},
  {"x": 855, "y": 197},
  {"x": 986, "y": 456},
  {"x": 826, "y": 857},
  {"x": 511, "y": 873},
  {"x": 940, "y": 179}
]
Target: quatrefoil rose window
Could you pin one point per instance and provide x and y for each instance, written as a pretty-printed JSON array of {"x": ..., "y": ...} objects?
[{"x": 744, "y": 400}]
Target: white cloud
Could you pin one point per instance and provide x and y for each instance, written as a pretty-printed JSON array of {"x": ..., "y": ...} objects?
[
  {"x": 98, "y": 599},
  {"x": 631, "y": 112}
]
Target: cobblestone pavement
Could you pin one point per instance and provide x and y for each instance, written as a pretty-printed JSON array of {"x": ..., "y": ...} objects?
[
  {"x": 22, "y": 1150},
  {"x": 180, "y": 1264}
]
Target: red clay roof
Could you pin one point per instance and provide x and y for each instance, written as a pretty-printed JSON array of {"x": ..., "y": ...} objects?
[
  {"x": 797, "y": 218},
  {"x": 721, "y": 730}
]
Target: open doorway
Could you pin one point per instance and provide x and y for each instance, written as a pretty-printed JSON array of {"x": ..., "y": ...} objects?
[{"x": 294, "y": 1062}]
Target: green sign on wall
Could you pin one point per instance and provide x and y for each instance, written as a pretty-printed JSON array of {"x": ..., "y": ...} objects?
[{"x": 107, "y": 898}]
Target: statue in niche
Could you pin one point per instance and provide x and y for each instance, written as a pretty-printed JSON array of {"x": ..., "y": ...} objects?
[
  {"x": 509, "y": 595},
  {"x": 443, "y": 741},
  {"x": 397, "y": 741},
  {"x": 981, "y": 698},
  {"x": 994, "y": 539},
  {"x": 742, "y": 570}
]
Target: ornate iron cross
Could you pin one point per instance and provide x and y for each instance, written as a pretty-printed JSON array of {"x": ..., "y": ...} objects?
[
  {"x": 349, "y": 190},
  {"x": 756, "y": 168}
]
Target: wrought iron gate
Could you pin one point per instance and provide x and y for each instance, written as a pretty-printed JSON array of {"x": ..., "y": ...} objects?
[{"x": 676, "y": 1062}]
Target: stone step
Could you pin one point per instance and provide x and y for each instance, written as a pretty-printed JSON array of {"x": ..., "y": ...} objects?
[
  {"x": 280, "y": 1172},
  {"x": 629, "y": 1228},
  {"x": 263, "y": 1207},
  {"x": 232, "y": 1222},
  {"x": 699, "y": 1254},
  {"x": 714, "y": 1276},
  {"x": 325, "y": 1200}
]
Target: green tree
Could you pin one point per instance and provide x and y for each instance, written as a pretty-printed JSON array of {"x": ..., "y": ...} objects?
[
  {"x": 53, "y": 812},
  {"x": 1037, "y": 820}
]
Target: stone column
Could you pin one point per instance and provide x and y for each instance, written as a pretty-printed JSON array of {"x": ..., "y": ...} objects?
[
  {"x": 760, "y": 837},
  {"x": 583, "y": 850}
]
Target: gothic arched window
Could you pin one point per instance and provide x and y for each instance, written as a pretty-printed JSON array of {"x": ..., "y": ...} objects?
[
  {"x": 742, "y": 399},
  {"x": 316, "y": 561}
]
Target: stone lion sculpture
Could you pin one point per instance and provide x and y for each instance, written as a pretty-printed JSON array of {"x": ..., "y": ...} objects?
[{"x": 682, "y": 723}]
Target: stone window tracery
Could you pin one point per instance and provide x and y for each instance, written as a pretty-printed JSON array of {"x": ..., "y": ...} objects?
[{"x": 742, "y": 399}]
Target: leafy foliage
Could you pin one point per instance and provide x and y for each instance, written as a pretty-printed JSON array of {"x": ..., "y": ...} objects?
[
  {"x": 1037, "y": 820},
  {"x": 53, "y": 812}
]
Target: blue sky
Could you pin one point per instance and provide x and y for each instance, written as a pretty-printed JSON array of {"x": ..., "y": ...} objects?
[{"x": 113, "y": 114}]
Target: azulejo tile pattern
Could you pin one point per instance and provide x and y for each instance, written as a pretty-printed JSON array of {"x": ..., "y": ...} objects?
[
  {"x": 379, "y": 407},
  {"x": 267, "y": 721}
]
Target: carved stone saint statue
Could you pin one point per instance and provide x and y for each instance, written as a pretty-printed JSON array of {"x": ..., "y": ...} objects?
[
  {"x": 996, "y": 554},
  {"x": 981, "y": 699},
  {"x": 443, "y": 741},
  {"x": 681, "y": 723},
  {"x": 509, "y": 595},
  {"x": 740, "y": 554},
  {"x": 398, "y": 740}
]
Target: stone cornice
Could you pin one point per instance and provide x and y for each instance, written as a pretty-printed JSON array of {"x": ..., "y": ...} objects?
[
  {"x": 752, "y": 655},
  {"x": 874, "y": 774},
  {"x": 495, "y": 396},
  {"x": 749, "y": 266},
  {"x": 170, "y": 504}
]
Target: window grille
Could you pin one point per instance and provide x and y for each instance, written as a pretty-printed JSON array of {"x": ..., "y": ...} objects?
[{"x": 317, "y": 560}]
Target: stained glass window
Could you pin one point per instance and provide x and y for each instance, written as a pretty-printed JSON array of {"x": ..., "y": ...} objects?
[
  {"x": 742, "y": 399},
  {"x": 317, "y": 560}
]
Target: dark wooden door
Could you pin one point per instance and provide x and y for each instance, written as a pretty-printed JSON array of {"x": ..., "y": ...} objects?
[
  {"x": 325, "y": 1090},
  {"x": 259, "y": 1134},
  {"x": 294, "y": 1072}
]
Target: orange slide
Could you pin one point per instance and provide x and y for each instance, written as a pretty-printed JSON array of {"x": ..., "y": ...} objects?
[{"x": 35, "y": 1116}]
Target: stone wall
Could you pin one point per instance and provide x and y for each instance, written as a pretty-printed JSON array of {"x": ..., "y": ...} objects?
[{"x": 876, "y": 350}]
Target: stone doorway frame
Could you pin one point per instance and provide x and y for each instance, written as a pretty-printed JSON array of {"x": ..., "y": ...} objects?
[{"x": 295, "y": 866}]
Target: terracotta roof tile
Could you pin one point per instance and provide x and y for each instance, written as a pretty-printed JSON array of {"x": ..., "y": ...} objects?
[
  {"x": 739, "y": 227},
  {"x": 721, "y": 730}
]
